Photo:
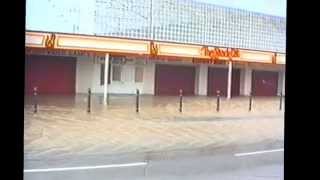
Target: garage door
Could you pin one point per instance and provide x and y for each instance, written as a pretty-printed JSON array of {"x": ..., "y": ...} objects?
[
  {"x": 218, "y": 80},
  {"x": 169, "y": 79},
  {"x": 51, "y": 74},
  {"x": 264, "y": 83}
]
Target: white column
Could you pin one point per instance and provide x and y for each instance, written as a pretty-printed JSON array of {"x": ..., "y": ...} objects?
[
  {"x": 229, "y": 80},
  {"x": 106, "y": 71},
  {"x": 283, "y": 82},
  {"x": 242, "y": 81},
  {"x": 149, "y": 78},
  {"x": 247, "y": 81},
  {"x": 196, "y": 81},
  {"x": 280, "y": 81},
  {"x": 203, "y": 79}
]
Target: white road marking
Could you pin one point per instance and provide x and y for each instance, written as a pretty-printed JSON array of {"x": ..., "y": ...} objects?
[
  {"x": 87, "y": 167},
  {"x": 258, "y": 152}
]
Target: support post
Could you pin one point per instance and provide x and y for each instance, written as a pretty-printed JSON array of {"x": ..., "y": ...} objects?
[
  {"x": 218, "y": 101},
  {"x": 229, "y": 80},
  {"x": 180, "y": 104},
  {"x": 281, "y": 96},
  {"x": 89, "y": 101},
  {"x": 35, "y": 98},
  {"x": 137, "y": 101},
  {"x": 250, "y": 101},
  {"x": 106, "y": 72}
]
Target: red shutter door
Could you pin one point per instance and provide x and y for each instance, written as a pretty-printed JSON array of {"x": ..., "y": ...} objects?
[
  {"x": 218, "y": 80},
  {"x": 169, "y": 79},
  {"x": 235, "y": 87},
  {"x": 51, "y": 74},
  {"x": 264, "y": 83}
]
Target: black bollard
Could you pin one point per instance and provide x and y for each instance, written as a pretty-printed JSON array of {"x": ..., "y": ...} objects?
[
  {"x": 180, "y": 104},
  {"x": 250, "y": 101},
  {"x": 89, "y": 101},
  {"x": 137, "y": 101},
  {"x": 218, "y": 101},
  {"x": 35, "y": 94},
  {"x": 281, "y": 96}
]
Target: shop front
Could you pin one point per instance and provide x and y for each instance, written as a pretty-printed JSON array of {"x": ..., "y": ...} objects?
[{"x": 72, "y": 63}]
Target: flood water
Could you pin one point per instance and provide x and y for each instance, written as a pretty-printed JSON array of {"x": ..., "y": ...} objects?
[{"x": 63, "y": 127}]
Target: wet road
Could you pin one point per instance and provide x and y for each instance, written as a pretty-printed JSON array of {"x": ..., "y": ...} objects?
[{"x": 253, "y": 163}]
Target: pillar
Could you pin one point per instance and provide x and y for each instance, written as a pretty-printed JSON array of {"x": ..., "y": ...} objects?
[
  {"x": 284, "y": 82},
  {"x": 203, "y": 79},
  {"x": 247, "y": 81},
  {"x": 229, "y": 80},
  {"x": 106, "y": 69}
]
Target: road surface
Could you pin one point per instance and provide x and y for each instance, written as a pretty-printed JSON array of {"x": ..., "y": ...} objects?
[{"x": 262, "y": 161}]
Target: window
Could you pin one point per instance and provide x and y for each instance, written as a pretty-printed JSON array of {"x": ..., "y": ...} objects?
[
  {"x": 138, "y": 76},
  {"x": 116, "y": 73}
]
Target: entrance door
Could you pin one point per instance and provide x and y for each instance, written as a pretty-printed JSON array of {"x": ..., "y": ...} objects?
[
  {"x": 169, "y": 79},
  {"x": 51, "y": 74},
  {"x": 264, "y": 83}
]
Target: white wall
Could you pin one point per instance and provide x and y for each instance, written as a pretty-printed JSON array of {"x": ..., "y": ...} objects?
[
  {"x": 203, "y": 79},
  {"x": 88, "y": 75},
  {"x": 247, "y": 78},
  {"x": 149, "y": 78},
  {"x": 84, "y": 74}
]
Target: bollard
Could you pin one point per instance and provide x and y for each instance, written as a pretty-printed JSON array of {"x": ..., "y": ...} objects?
[
  {"x": 281, "y": 96},
  {"x": 89, "y": 101},
  {"x": 180, "y": 104},
  {"x": 35, "y": 94},
  {"x": 137, "y": 101},
  {"x": 218, "y": 101},
  {"x": 250, "y": 101}
]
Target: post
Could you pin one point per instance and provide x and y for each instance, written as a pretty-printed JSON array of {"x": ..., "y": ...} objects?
[
  {"x": 218, "y": 101},
  {"x": 108, "y": 99},
  {"x": 281, "y": 96},
  {"x": 137, "y": 101},
  {"x": 180, "y": 104},
  {"x": 229, "y": 80},
  {"x": 89, "y": 101},
  {"x": 106, "y": 72},
  {"x": 250, "y": 101},
  {"x": 35, "y": 94}
]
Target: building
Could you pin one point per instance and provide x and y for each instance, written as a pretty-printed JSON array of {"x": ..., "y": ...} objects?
[{"x": 156, "y": 46}]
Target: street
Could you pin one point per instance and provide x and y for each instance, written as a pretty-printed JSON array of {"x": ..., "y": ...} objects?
[{"x": 192, "y": 164}]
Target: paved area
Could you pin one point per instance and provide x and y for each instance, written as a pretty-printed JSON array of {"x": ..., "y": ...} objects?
[
  {"x": 62, "y": 127},
  {"x": 219, "y": 163}
]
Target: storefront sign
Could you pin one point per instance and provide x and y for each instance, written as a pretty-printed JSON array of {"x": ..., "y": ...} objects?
[{"x": 218, "y": 53}]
